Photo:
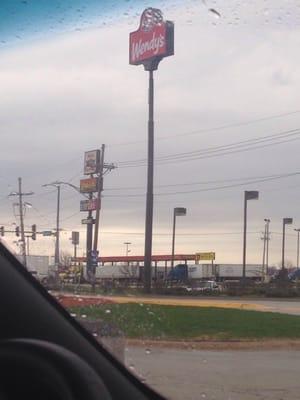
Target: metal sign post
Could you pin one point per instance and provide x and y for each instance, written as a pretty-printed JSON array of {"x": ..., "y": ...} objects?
[{"x": 153, "y": 41}]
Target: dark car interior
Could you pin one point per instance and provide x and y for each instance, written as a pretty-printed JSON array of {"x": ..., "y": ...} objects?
[{"x": 46, "y": 353}]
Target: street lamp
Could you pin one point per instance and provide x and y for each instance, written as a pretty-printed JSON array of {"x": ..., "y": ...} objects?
[
  {"x": 57, "y": 185},
  {"x": 178, "y": 212},
  {"x": 127, "y": 244},
  {"x": 285, "y": 221},
  {"x": 248, "y": 195},
  {"x": 298, "y": 231},
  {"x": 56, "y": 254}
]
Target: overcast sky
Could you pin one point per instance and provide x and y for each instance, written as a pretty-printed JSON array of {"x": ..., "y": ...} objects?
[{"x": 70, "y": 90}]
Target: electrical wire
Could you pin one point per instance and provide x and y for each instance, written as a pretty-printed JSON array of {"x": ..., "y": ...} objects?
[
  {"x": 212, "y": 188},
  {"x": 209, "y": 130},
  {"x": 220, "y": 150}
]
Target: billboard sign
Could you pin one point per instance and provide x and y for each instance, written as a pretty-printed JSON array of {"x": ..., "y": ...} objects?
[
  {"x": 89, "y": 205},
  {"x": 153, "y": 40},
  {"x": 207, "y": 256},
  {"x": 91, "y": 162},
  {"x": 89, "y": 185}
]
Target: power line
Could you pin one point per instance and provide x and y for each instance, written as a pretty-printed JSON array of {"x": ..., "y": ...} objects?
[
  {"x": 208, "y": 130},
  {"x": 220, "y": 150},
  {"x": 212, "y": 188},
  {"x": 203, "y": 182}
]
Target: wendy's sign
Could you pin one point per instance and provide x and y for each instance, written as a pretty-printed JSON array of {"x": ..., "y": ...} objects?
[{"x": 153, "y": 40}]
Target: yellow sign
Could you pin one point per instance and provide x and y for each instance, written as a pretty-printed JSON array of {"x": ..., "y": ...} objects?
[{"x": 205, "y": 256}]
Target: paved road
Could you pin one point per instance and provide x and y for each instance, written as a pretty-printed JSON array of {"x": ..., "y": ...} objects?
[{"x": 219, "y": 375}]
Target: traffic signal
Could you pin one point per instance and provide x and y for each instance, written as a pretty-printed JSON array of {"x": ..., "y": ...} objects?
[
  {"x": 33, "y": 229},
  {"x": 17, "y": 231},
  {"x": 75, "y": 238},
  {"x": 2, "y": 230}
]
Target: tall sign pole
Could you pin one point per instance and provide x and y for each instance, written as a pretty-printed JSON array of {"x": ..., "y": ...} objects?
[
  {"x": 153, "y": 41},
  {"x": 95, "y": 167}
]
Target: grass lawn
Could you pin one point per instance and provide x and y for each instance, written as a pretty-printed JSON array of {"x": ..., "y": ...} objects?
[{"x": 180, "y": 322}]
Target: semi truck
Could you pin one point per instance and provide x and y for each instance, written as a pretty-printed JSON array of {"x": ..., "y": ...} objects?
[{"x": 218, "y": 272}]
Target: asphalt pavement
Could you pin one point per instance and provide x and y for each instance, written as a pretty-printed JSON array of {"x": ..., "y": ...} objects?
[{"x": 218, "y": 375}]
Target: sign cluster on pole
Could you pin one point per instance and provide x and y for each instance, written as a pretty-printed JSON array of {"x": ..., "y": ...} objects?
[{"x": 94, "y": 167}]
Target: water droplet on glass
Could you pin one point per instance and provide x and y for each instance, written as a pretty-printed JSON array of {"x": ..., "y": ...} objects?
[
  {"x": 203, "y": 395},
  {"x": 131, "y": 367},
  {"x": 83, "y": 316},
  {"x": 148, "y": 351},
  {"x": 73, "y": 315},
  {"x": 107, "y": 311},
  {"x": 204, "y": 361},
  {"x": 215, "y": 13},
  {"x": 141, "y": 304}
]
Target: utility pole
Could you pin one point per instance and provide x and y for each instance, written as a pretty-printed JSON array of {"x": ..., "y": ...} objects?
[
  {"x": 267, "y": 221},
  {"x": 23, "y": 243},
  {"x": 100, "y": 188},
  {"x": 20, "y": 195},
  {"x": 264, "y": 250},
  {"x": 103, "y": 169}
]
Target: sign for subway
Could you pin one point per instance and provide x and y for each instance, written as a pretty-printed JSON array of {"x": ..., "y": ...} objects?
[
  {"x": 207, "y": 256},
  {"x": 153, "y": 39}
]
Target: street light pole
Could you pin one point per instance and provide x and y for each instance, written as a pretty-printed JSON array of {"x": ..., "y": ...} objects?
[
  {"x": 248, "y": 195},
  {"x": 285, "y": 221},
  {"x": 127, "y": 244},
  {"x": 298, "y": 231},
  {"x": 178, "y": 211}
]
